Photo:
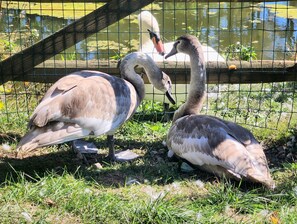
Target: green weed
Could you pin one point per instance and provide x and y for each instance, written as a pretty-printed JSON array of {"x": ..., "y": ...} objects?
[{"x": 240, "y": 52}]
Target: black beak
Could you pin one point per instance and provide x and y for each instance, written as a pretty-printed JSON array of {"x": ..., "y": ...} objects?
[
  {"x": 157, "y": 42},
  {"x": 172, "y": 52},
  {"x": 170, "y": 97}
]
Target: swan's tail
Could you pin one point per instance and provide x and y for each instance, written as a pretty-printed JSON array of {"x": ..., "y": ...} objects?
[
  {"x": 266, "y": 180},
  {"x": 54, "y": 133},
  {"x": 261, "y": 171}
]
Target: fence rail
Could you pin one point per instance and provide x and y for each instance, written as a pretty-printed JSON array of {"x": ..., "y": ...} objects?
[{"x": 217, "y": 72}]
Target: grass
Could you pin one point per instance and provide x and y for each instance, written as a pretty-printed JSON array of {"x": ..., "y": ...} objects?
[
  {"x": 52, "y": 185},
  {"x": 83, "y": 196}
]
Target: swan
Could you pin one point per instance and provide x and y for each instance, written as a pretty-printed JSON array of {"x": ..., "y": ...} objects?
[
  {"x": 215, "y": 145},
  {"x": 147, "y": 22},
  {"x": 91, "y": 103}
]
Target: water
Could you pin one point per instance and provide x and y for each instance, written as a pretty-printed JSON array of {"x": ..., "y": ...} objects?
[{"x": 216, "y": 24}]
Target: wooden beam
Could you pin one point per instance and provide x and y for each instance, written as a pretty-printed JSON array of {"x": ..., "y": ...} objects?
[
  {"x": 15, "y": 66},
  {"x": 217, "y": 73}
]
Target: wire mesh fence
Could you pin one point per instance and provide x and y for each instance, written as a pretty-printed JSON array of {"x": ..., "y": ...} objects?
[{"x": 233, "y": 31}]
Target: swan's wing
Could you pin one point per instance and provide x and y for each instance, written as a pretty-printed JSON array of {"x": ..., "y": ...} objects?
[
  {"x": 87, "y": 103},
  {"x": 98, "y": 102},
  {"x": 251, "y": 145},
  {"x": 53, "y": 133},
  {"x": 61, "y": 86},
  {"x": 238, "y": 132},
  {"x": 205, "y": 141}
]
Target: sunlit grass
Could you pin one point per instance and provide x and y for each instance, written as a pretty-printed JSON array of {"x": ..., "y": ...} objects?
[{"x": 81, "y": 197}]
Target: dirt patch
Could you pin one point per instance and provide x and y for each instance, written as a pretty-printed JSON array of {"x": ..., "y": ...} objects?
[{"x": 280, "y": 152}]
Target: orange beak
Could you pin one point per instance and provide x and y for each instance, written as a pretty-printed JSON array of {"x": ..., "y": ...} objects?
[{"x": 157, "y": 42}]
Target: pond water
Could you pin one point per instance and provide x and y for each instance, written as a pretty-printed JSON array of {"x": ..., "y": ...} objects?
[{"x": 269, "y": 28}]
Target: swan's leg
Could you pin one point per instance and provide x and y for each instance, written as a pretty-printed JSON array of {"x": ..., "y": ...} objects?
[
  {"x": 82, "y": 147},
  {"x": 183, "y": 165},
  {"x": 122, "y": 156},
  {"x": 166, "y": 109},
  {"x": 110, "y": 142}
]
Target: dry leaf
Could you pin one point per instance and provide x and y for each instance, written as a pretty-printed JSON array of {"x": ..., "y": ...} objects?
[
  {"x": 274, "y": 218},
  {"x": 50, "y": 202}
]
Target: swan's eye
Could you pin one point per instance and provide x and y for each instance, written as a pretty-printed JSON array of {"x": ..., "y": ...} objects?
[{"x": 176, "y": 43}]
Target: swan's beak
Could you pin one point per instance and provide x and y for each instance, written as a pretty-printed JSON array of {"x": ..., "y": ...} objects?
[
  {"x": 157, "y": 42},
  {"x": 172, "y": 52},
  {"x": 170, "y": 97}
]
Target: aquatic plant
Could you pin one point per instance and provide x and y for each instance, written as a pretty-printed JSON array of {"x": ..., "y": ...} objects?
[{"x": 240, "y": 52}]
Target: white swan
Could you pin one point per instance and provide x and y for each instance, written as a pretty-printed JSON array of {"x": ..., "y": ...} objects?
[
  {"x": 146, "y": 22},
  {"x": 91, "y": 103},
  {"x": 215, "y": 145}
]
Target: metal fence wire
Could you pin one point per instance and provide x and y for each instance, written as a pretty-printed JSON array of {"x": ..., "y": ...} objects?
[{"x": 259, "y": 39}]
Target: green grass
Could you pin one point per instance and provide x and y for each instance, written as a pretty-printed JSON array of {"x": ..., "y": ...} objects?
[
  {"x": 87, "y": 195},
  {"x": 53, "y": 186}
]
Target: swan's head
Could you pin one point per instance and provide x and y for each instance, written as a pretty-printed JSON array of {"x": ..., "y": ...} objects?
[
  {"x": 147, "y": 21},
  {"x": 157, "y": 42},
  {"x": 159, "y": 79},
  {"x": 185, "y": 44}
]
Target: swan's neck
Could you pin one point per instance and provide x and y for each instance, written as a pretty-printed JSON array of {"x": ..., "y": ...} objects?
[
  {"x": 146, "y": 45},
  {"x": 147, "y": 21},
  {"x": 198, "y": 79},
  {"x": 196, "y": 96},
  {"x": 128, "y": 71}
]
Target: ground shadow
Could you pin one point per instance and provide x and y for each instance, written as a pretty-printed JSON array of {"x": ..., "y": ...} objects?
[
  {"x": 39, "y": 164},
  {"x": 154, "y": 166},
  {"x": 9, "y": 138}
]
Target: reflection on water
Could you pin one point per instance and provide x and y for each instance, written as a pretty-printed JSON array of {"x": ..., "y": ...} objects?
[{"x": 217, "y": 24}]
